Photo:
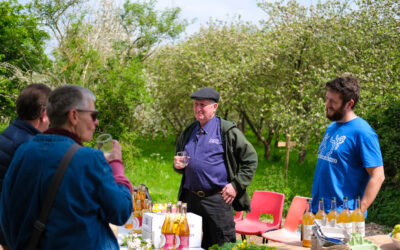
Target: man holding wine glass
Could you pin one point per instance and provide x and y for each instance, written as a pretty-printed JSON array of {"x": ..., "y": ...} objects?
[
  {"x": 220, "y": 164},
  {"x": 93, "y": 191}
]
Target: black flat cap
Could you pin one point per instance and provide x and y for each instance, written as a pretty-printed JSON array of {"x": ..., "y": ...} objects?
[{"x": 206, "y": 93}]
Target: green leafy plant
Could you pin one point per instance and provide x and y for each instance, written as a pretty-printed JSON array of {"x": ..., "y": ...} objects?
[{"x": 241, "y": 245}]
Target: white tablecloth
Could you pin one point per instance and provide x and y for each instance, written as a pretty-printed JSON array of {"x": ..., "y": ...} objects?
[{"x": 123, "y": 231}]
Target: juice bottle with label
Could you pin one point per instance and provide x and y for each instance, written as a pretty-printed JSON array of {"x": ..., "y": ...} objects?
[
  {"x": 168, "y": 236},
  {"x": 308, "y": 222},
  {"x": 128, "y": 224},
  {"x": 177, "y": 218},
  {"x": 344, "y": 218},
  {"x": 333, "y": 214},
  {"x": 358, "y": 220},
  {"x": 145, "y": 208},
  {"x": 137, "y": 218},
  {"x": 183, "y": 231},
  {"x": 142, "y": 195},
  {"x": 321, "y": 216}
]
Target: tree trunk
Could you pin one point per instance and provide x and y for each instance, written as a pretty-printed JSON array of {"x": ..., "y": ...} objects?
[
  {"x": 303, "y": 152},
  {"x": 242, "y": 123},
  {"x": 267, "y": 150},
  {"x": 276, "y": 138},
  {"x": 258, "y": 133}
]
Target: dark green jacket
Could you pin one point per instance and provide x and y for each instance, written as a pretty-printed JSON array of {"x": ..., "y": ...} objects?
[{"x": 240, "y": 160}]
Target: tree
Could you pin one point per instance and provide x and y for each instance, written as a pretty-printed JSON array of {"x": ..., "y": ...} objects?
[
  {"x": 104, "y": 48},
  {"x": 21, "y": 53}
]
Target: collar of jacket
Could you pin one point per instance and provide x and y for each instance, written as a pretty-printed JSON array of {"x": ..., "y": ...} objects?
[{"x": 64, "y": 132}]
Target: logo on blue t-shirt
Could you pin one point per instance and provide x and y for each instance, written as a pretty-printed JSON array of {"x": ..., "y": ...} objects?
[{"x": 335, "y": 144}]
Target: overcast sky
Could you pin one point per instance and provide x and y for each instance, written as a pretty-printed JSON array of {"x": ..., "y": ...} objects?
[{"x": 202, "y": 10}]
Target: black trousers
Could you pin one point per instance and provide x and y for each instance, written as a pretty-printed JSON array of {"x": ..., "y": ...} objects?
[{"x": 218, "y": 224}]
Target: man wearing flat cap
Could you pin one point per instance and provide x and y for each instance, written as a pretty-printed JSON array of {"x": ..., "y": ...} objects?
[{"x": 222, "y": 164}]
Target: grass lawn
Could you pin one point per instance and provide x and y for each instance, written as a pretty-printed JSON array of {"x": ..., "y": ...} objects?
[{"x": 153, "y": 167}]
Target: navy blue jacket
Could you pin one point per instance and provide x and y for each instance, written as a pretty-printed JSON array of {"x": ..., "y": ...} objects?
[{"x": 18, "y": 132}]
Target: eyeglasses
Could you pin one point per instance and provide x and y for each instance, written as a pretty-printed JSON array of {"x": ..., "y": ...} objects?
[{"x": 93, "y": 113}]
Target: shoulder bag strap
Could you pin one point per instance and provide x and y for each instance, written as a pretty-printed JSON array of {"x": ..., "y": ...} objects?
[{"x": 40, "y": 223}]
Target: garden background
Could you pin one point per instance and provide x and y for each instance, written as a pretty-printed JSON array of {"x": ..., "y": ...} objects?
[{"x": 270, "y": 76}]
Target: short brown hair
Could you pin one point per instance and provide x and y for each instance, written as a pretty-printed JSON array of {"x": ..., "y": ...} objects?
[
  {"x": 32, "y": 101},
  {"x": 348, "y": 87}
]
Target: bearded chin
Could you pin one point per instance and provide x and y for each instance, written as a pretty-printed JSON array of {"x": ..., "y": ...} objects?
[{"x": 337, "y": 115}]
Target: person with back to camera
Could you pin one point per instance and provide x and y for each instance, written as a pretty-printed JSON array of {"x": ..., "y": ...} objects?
[
  {"x": 349, "y": 159},
  {"x": 31, "y": 120},
  {"x": 93, "y": 193}
]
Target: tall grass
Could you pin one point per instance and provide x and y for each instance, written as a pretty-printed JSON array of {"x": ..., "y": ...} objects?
[{"x": 153, "y": 167}]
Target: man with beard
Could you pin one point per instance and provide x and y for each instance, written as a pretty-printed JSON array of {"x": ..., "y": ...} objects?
[{"x": 349, "y": 158}]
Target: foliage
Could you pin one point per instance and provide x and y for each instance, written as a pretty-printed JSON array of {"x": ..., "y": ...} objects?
[
  {"x": 240, "y": 245},
  {"x": 21, "y": 37},
  {"x": 103, "y": 48},
  {"x": 21, "y": 53},
  {"x": 386, "y": 123},
  {"x": 384, "y": 210},
  {"x": 274, "y": 76}
]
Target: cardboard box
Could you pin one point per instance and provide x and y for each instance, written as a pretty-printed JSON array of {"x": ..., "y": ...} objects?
[{"x": 152, "y": 224}]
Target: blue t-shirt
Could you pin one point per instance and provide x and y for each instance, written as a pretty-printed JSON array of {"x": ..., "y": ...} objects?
[
  {"x": 206, "y": 169},
  {"x": 346, "y": 149}
]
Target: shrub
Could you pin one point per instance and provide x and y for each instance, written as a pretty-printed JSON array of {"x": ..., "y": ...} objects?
[{"x": 386, "y": 123}]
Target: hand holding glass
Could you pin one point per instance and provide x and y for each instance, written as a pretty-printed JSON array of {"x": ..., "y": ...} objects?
[
  {"x": 104, "y": 143},
  {"x": 183, "y": 159}
]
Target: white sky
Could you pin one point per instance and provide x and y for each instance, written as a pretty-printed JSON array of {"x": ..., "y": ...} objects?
[{"x": 202, "y": 10}]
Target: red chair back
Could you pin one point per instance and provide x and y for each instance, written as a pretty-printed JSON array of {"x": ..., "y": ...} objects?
[
  {"x": 294, "y": 216},
  {"x": 238, "y": 216},
  {"x": 266, "y": 202}
]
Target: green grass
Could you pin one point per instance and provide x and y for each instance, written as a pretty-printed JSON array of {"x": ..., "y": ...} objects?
[
  {"x": 149, "y": 162},
  {"x": 153, "y": 167}
]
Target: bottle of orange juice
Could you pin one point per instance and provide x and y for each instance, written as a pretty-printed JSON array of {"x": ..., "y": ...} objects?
[
  {"x": 344, "y": 218},
  {"x": 308, "y": 222},
  {"x": 358, "y": 220},
  {"x": 137, "y": 218},
  {"x": 333, "y": 214},
  {"x": 321, "y": 216},
  {"x": 167, "y": 230},
  {"x": 183, "y": 231},
  {"x": 177, "y": 218}
]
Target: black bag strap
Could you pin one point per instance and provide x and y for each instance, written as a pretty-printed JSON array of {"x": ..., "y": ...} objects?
[{"x": 40, "y": 223}]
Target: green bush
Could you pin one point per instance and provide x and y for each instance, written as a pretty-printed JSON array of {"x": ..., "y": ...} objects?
[{"x": 386, "y": 123}]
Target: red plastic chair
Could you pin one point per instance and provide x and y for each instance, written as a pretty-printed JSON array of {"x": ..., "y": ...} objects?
[
  {"x": 238, "y": 216},
  {"x": 262, "y": 202},
  {"x": 293, "y": 219}
]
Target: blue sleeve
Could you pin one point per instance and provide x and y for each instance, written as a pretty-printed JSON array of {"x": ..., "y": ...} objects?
[
  {"x": 115, "y": 199},
  {"x": 370, "y": 151}
]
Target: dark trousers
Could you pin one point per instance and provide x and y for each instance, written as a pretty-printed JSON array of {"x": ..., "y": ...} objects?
[{"x": 218, "y": 224}]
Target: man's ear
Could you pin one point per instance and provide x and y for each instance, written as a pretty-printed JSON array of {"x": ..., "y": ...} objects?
[
  {"x": 73, "y": 117},
  {"x": 43, "y": 114},
  {"x": 350, "y": 104}
]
